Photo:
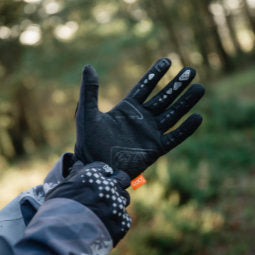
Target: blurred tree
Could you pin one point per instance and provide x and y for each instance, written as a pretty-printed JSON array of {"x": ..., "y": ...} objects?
[
  {"x": 166, "y": 13},
  {"x": 231, "y": 28},
  {"x": 23, "y": 123},
  {"x": 214, "y": 34},
  {"x": 249, "y": 15},
  {"x": 200, "y": 32}
]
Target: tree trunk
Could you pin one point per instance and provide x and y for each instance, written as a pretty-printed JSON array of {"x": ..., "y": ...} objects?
[
  {"x": 249, "y": 15},
  {"x": 200, "y": 32},
  {"x": 212, "y": 28},
  {"x": 232, "y": 32},
  {"x": 26, "y": 122},
  {"x": 174, "y": 39},
  {"x": 160, "y": 11}
]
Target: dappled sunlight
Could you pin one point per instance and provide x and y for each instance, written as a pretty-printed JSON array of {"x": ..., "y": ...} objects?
[
  {"x": 112, "y": 28},
  {"x": 22, "y": 176},
  {"x": 154, "y": 190},
  {"x": 202, "y": 218},
  {"x": 162, "y": 169},
  {"x": 32, "y": 1},
  {"x": 251, "y": 3},
  {"x": 232, "y": 4},
  {"x": 103, "y": 13},
  {"x": 143, "y": 28},
  {"x": 211, "y": 221},
  {"x": 246, "y": 40},
  {"x": 31, "y": 36},
  {"x": 66, "y": 31},
  {"x": 52, "y": 6},
  {"x": 5, "y": 32},
  {"x": 59, "y": 97},
  {"x": 130, "y": 1}
]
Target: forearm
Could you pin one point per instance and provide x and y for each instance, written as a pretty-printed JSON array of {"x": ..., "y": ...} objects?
[{"x": 64, "y": 226}]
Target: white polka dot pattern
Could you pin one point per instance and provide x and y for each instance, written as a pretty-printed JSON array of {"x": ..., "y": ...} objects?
[
  {"x": 102, "y": 191},
  {"x": 106, "y": 187}
]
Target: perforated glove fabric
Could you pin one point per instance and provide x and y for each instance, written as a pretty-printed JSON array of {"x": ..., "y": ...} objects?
[
  {"x": 100, "y": 189},
  {"x": 133, "y": 135}
]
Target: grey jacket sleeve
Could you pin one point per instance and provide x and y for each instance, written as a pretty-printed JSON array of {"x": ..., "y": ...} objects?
[
  {"x": 64, "y": 226},
  {"x": 16, "y": 215},
  {"x": 19, "y": 212}
]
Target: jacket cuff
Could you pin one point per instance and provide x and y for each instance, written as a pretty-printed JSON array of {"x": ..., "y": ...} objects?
[
  {"x": 67, "y": 227},
  {"x": 59, "y": 171}
]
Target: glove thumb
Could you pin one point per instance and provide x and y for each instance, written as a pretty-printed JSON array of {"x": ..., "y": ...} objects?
[
  {"x": 89, "y": 90},
  {"x": 122, "y": 178}
]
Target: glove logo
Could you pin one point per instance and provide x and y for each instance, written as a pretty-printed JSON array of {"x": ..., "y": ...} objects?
[
  {"x": 131, "y": 158},
  {"x": 138, "y": 182}
]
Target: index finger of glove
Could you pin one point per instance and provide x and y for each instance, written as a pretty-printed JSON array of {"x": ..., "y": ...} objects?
[
  {"x": 122, "y": 179},
  {"x": 144, "y": 87}
]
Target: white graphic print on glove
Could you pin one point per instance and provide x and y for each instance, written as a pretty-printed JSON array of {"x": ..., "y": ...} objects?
[
  {"x": 106, "y": 188},
  {"x": 101, "y": 190}
]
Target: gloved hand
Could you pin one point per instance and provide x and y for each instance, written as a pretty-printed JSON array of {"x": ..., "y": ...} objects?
[
  {"x": 102, "y": 191},
  {"x": 132, "y": 136}
]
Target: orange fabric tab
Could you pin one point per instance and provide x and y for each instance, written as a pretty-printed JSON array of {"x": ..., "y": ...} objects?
[{"x": 138, "y": 182}]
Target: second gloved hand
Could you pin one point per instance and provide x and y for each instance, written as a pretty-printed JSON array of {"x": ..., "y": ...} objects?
[{"x": 102, "y": 191}]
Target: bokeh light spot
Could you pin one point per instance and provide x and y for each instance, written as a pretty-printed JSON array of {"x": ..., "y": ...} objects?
[
  {"x": 31, "y": 36},
  {"x": 67, "y": 31}
]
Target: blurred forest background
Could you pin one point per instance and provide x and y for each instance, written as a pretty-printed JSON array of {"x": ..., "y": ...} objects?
[{"x": 200, "y": 198}]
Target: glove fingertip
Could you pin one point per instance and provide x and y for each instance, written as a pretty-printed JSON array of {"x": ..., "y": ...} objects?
[
  {"x": 165, "y": 60},
  {"x": 193, "y": 71},
  {"x": 197, "y": 117},
  {"x": 122, "y": 178},
  {"x": 90, "y": 75},
  {"x": 193, "y": 122}
]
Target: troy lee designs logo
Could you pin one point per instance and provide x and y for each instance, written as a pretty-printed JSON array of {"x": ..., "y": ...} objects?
[{"x": 130, "y": 158}]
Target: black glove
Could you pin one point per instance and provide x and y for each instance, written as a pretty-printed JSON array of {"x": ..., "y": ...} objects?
[
  {"x": 102, "y": 191},
  {"x": 131, "y": 136}
]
